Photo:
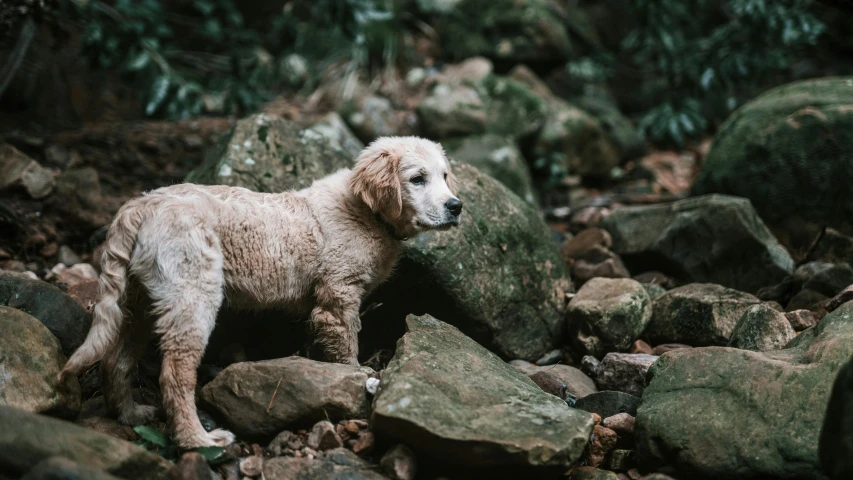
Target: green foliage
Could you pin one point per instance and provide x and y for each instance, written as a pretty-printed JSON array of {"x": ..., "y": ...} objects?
[
  {"x": 710, "y": 52},
  {"x": 202, "y": 56},
  {"x": 158, "y": 442}
]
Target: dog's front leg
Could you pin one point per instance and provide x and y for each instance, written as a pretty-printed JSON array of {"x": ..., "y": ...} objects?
[{"x": 336, "y": 322}]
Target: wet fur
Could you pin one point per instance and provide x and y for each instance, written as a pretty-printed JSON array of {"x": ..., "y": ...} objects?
[{"x": 319, "y": 250}]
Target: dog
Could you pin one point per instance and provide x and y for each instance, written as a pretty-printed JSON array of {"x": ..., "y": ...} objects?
[{"x": 314, "y": 252}]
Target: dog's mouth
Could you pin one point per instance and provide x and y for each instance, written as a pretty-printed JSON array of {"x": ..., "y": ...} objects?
[{"x": 438, "y": 226}]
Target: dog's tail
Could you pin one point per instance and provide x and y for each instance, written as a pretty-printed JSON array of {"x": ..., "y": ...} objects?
[{"x": 107, "y": 315}]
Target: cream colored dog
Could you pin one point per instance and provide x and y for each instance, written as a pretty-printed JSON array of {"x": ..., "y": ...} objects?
[{"x": 315, "y": 251}]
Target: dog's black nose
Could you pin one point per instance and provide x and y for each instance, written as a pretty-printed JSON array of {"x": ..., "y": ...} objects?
[{"x": 454, "y": 206}]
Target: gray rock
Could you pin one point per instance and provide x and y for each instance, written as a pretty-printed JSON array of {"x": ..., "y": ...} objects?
[
  {"x": 498, "y": 276},
  {"x": 27, "y": 439},
  {"x": 698, "y": 314},
  {"x": 371, "y": 116},
  {"x": 609, "y": 403},
  {"x": 771, "y": 405},
  {"x": 266, "y": 153},
  {"x": 497, "y": 157},
  {"x": 714, "y": 238},
  {"x": 491, "y": 104},
  {"x": 589, "y": 365},
  {"x": 340, "y": 137},
  {"x": 760, "y": 329},
  {"x": 309, "y": 391},
  {"x": 577, "y": 383},
  {"x": 445, "y": 395},
  {"x": 607, "y": 315},
  {"x": 624, "y": 372},
  {"x": 621, "y": 460},
  {"x": 67, "y": 256},
  {"x": 767, "y": 149},
  {"x": 30, "y": 360},
  {"x": 17, "y": 169},
  {"x": 64, "y": 317},
  {"x": 338, "y": 464}
]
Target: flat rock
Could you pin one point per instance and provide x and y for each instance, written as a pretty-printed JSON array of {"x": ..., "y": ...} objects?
[
  {"x": 713, "y": 238},
  {"x": 58, "y": 468},
  {"x": 30, "y": 360},
  {"x": 250, "y": 398},
  {"x": 698, "y": 314},
  {"x": 34, "y": 438},
  {"x": 726, "y": 413},
  {"x": 445, "y": 395}
]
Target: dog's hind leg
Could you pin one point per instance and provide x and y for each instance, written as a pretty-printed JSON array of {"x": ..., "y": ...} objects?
[
  {"x": 117, "y": 371},
  {"x": 186, "y": 288}
]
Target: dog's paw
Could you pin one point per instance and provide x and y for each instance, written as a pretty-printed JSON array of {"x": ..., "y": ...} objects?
[
  {"x": 221, "y": 437},
  {"x": 138, "y": 415}
]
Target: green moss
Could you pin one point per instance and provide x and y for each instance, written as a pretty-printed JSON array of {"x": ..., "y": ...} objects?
[{"x": 262, "y": 133}]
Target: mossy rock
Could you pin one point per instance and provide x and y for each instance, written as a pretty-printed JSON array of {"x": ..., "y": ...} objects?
[
  {"x": 30, "y": 360},
  {"x": 790, "y": 151},
  {"x": 498, "y": 276},
  {"x": 444, "y": 395},
  {"x": 724, "y": 413},
  {"x": 493, "y": 104},
  {"x": 266, "y": 153},
  {"x": 498, "y": 157}
]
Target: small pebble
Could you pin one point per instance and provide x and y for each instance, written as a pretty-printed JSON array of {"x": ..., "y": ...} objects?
[
  {"x": 641, "y": 347},
  {"x": 621, "y": 423},
  {"x": 372, "y": 385},
  {"x": 399, "y": 463}
]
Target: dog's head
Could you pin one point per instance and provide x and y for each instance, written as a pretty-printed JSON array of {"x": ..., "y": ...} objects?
[{"x": 408, "y": 182}]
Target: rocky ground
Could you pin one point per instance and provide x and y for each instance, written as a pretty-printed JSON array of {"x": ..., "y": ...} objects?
[{"x": 628, "y": 323}]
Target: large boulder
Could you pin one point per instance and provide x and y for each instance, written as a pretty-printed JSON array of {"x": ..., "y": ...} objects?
[
  {"x": 266, "y": 153},
  {"x": 446, "y": 396},
  {"x": 498, "y": 276},
  {"x": 498, "y": 157},
  {"x": 608, "y": 314},
  {"x": 790, "y": 151},
  {"x": 64, "y": 317},
  {"x": 27, "y": 439},
  {"x": 698, "y": 314},
  {"x": 836, "y": 435},
  {"x": 724, "y": 413},
  {"x": 30, "y": 360},
  {"x": 714, "y": 238},
  {"x": 507, "y": 30},
  {"x": 260, "y": 399}
]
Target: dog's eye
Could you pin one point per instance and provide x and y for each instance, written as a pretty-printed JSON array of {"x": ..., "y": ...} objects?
[{"x": 419, "y": 180}]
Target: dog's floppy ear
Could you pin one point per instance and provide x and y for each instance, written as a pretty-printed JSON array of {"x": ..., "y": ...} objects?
[
  {"x": 451, "y": 180},
  {"x": 376, "y": 179}
]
